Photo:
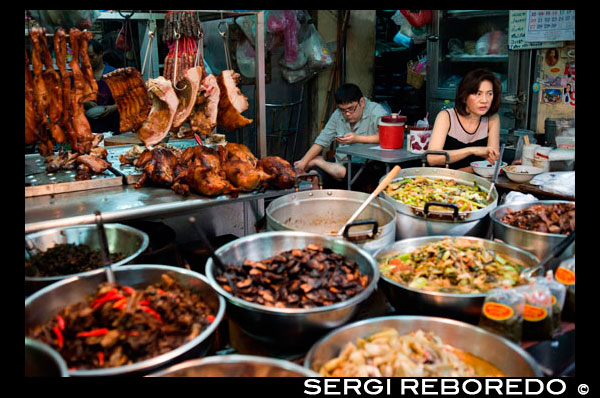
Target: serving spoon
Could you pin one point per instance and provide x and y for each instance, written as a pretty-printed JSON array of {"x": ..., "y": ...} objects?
[
  {"x": 110, "y": 275},
  {"x": 496, "y": 171},
  {"x": 384, "y": 183},
  {"x": 206, "y": 242}
]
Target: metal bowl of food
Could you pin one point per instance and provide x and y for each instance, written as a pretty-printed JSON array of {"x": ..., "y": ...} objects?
[
  {"x": 75, "y": 293},
  {"x": 124, "y": 242},
  {"x": 484, "y": 352},
  {"x": 425, "y": 296},
  {"x": 538, "y": 243},
  {"x": 42, "y": 361},
  {"x": 294, "y": 328},
  {"x": 236, "y": 366}
]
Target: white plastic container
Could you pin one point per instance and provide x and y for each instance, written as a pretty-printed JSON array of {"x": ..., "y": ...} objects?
[
  {"x": 541, "y": 158},
  {"x": 528, "y": 154}
]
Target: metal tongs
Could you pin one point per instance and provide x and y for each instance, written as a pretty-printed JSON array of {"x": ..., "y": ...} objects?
[
  {"x": 496, "y": 171},
  {"x": 556, "y": 252},
  {"x": 110, "y": 275}
]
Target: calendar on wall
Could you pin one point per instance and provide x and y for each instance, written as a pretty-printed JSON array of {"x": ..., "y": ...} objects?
[{"x": 550, "y": 25}]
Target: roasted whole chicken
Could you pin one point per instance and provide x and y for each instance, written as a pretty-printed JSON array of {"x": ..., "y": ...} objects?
[
  {"x": 280, "y": 169},
  {"x": 203, "y": 173},
  {"x": 160, "y": 166}
]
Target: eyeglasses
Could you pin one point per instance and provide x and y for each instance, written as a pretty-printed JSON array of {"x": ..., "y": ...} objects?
[{"x": 349, "y": 110}]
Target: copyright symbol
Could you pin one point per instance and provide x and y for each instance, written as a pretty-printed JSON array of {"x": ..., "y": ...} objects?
[{"x": 583, "y": 389}]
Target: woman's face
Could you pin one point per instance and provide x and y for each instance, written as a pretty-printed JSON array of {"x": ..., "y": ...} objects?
[{"x": 479, "y": 103}]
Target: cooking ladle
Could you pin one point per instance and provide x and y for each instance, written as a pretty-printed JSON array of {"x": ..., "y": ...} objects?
[
  {"x": 110, "y": 275},
  {"x": 384, "y": 183},
  {"x": 496, "y": 171},
  {"x": 206, "y": 242},
  {"x": 555, "y": 253}
]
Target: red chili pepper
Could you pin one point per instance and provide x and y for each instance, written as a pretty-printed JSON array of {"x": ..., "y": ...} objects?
[
  {"x": 109, "y": 297},
  {"x": 95, "y": 332},
  {"x": 144, "y": 302},
  {"x": 129, "y": 290},
  {"x": 152, "y": 312},
  {"x": 121, "y": 303},
  {"x": 100, "y": 358},
  {"x": 160, "y": 291},
  {"x": 210, "y": 318},
  {"x": 61, "y": 322},
  {"x": 59, "y": 336},
  {"x": 133, "y": 333}
]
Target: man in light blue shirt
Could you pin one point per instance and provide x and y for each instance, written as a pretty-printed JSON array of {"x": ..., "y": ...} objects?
[{"x": 354, "y": 121}]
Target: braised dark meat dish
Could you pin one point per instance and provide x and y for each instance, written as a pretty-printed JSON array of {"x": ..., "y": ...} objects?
[
  {"x": 308, "y": 278},
  {"x": 160, "y": 166},
  {"x": 121, "y": 325},
  {"x": 557, "y": 218},
  {"x": 66, "y": 259},
  {"x": 282, "y": 171}
]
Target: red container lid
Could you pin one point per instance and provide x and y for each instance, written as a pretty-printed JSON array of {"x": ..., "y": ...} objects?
[{"x": 391, "y": 119}]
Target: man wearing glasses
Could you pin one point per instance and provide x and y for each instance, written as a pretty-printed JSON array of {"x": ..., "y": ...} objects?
[{"x": 354, "y": 121}]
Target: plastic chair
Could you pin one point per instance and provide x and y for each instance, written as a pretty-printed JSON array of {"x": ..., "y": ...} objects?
[{"x": 284, "y": 123}]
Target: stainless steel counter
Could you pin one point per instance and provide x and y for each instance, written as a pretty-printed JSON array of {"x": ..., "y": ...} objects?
[{"x": 122, "y": 203}]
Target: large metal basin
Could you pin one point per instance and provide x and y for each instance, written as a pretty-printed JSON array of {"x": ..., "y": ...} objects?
[
  {"x": 236, "y": 366},
  {"x": 412, "y": 222},
  {"x": 464, "y": 307},
  {"x": 292, "y": 328},
  {"x": 326, "y": 211},
  {"x": 47, "y": 302},
  {"x": 42, "y": 361},
  {"x": 538, "y": 243},
  {"x": 500, "y": 352},
  {"x": 129, "y": 241}
]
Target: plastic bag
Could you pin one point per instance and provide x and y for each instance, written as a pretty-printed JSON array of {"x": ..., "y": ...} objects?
[
  {"x": 502, "y": 313},
  {"x": 561, "y": 182},
  {"x": 565, "y": 274},
  {"x": 417, "y": 18},
  {"x": 537, "y": 313},
  {"x": 559, "y": 292},
  {"x": 294, "y": 76},
  {"x": 53, "y": 19},
  {"x": 246, "y": 58},
  {"x": 318, "y": 57},
  {"x": 515, "y": 197},
  {"x": 122, "y": 42}
]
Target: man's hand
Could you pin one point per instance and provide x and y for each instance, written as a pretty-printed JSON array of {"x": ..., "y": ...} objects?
[
  {"x": 108, "y": 109},
  {"x": 300, "y": 166},
  {"x": 347, "y": 139}
]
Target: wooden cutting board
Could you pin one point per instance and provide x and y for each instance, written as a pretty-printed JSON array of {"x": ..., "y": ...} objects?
[{"x": 123, "y": 139}]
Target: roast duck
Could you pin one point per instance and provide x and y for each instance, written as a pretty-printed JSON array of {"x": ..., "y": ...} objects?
[{"x": 54, "y": 110}]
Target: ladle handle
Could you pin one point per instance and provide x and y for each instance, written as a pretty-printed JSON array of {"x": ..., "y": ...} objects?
[
  {"x": 384, "y": 183},
  {"x": 104, "y": 247},
  {"x": 559, "y": 249},
  {"x": 206, "y": 242}
]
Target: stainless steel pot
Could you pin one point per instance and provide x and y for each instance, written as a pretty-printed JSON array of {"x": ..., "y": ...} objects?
[
  {"x": 47, "y": 302},
  {"x": 42, "y": 361},
  {"x": 538, "y": 243},
  {"x": 124, "y": 239},
  {"x": 236, "y": 366},
  {"x": 505, "y": 355},
  {"x": 326, "y": 211},
  {"x": 412, "y": 222},
  {"x": 292, "y": 328},
  {"x": 465, "y": 307}
]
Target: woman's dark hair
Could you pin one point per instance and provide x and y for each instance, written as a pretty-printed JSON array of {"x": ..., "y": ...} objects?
[
  {"x": 347, "y": 93},
  {"x": 470, "y": 85},
  {"x": 96, "y": 46}
]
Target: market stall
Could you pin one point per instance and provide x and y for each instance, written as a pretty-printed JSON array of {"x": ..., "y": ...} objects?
[{"x": 445, "y": 273}]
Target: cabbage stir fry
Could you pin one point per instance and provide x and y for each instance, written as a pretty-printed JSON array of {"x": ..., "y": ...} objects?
[
  {"x": 452, "y": 266},
  {"x": 387, "y": 354},
  {"x": 420, "y": 190}
]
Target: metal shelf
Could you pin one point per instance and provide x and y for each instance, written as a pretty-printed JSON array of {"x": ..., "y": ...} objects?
[
  {"x": 475, "y": 13},
  {"x": 478, "y": 58}
]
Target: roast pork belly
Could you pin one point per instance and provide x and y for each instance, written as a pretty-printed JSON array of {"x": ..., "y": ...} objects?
[
  {"x": 31, "y": 126},
  {"x": 131, "y": 96},
  {"x": 203, "y": 119},
  {"x": 231, "y": 102},
  {"x": 160, "y": 119},
  {"x": 187, "y": 96}
]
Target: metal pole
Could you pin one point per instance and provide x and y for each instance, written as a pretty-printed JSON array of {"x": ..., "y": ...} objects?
[{"x": 260, "y": 96}]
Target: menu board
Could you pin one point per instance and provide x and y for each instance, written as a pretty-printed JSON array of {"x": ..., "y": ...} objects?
[
  {"x": 517, "y": 31},
  {"x": 550, "y": 25}
]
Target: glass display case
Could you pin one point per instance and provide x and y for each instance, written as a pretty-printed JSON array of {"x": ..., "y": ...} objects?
[{"x": 463, "y": 40}]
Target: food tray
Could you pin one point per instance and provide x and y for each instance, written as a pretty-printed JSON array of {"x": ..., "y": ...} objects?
[
  {"x": 39, "y": 182},
  {"x": 130, "y": 173}
]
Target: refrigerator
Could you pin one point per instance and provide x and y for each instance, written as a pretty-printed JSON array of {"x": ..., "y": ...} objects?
[{"x": 462, "y": 40}]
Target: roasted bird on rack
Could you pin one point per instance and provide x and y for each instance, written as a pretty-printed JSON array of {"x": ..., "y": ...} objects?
[
  {"x": 282, "y": 171},
  {"x": 239, "y": 165}
]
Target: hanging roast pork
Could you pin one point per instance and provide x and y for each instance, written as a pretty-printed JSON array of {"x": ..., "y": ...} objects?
[
  {"x": 231, "y": 102},
  {"x": 203, "y": 118},
  {"x": 159, "y": 120},
  {"x": 131, "y": 96},
  {"x": 187, "y": 95}
]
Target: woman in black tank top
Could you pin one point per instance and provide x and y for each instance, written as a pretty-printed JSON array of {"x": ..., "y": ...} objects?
[{"x": 471, "y": 130}]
